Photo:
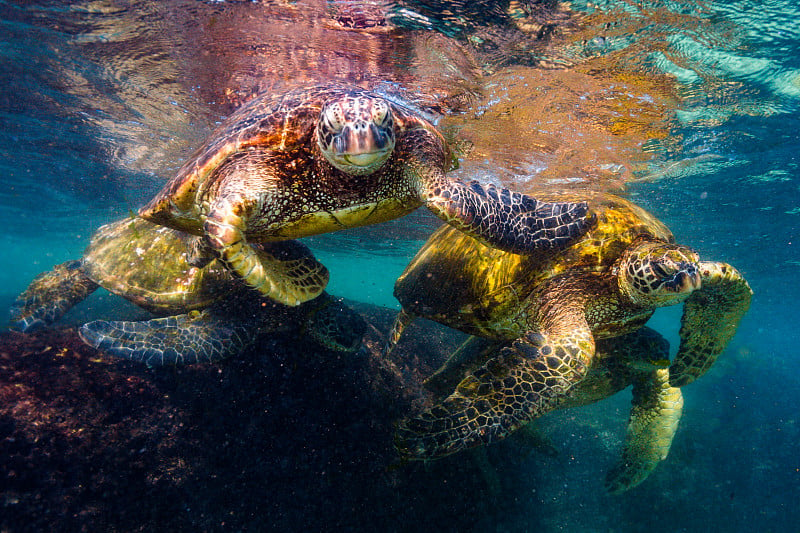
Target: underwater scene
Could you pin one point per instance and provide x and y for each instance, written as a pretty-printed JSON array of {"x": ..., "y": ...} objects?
[{"x": 430, "y": 265}]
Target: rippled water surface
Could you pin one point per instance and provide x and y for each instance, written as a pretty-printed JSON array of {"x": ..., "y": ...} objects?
[{"x": 688, "y": 108}]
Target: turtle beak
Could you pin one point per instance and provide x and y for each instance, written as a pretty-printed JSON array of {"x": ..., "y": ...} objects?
[
  {"x": 695, "y": 280},
  {"x": 361, "y": 144},
  {"x": 687, "y": 279}
]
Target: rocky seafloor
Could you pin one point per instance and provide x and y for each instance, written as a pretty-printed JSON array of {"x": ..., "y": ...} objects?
[
  {"x": 285, "y": 437},
  {"x": 288, "y": 437}
]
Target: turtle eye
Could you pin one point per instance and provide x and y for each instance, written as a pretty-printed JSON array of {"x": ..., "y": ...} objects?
[
  {"x": 660, "y": 270},
  {"x": 332, "y": 118},
  {"x": 380, "y": 114}
]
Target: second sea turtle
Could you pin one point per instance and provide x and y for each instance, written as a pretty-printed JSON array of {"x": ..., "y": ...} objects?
[{"x": 550, "y": 310}]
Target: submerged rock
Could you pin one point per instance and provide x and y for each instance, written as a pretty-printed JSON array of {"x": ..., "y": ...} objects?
[{"x": 286, "y": 437}]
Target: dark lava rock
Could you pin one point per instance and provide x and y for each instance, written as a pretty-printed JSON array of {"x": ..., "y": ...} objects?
[{"x": 286, "y": 437}]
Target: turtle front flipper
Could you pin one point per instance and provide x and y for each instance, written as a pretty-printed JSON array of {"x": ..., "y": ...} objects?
[
  {"x": 640, "y": 358},
  {"x": 276, "y": 272},
  {"x": 507, "y": 220},
  {"x": 710, "y": 318},
  {"x": 655, "y": 413},
  {"x": 182, "y": 339},
  {"x": 526, "y": 379},
  {"x": 50, "y": 295}
]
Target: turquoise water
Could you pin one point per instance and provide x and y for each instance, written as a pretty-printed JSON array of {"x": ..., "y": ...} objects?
[{"x": 690, "y": 109}]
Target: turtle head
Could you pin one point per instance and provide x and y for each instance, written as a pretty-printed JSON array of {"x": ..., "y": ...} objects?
[
  {"x": 658, "y": 274},
  {"x": 356, "y": 133}
]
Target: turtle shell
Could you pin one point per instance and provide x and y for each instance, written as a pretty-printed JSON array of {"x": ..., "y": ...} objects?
[
  {"x": 147, "y": 264},
  {"x": 282, "y": 127},
  {"x": 457, "y": 281}
]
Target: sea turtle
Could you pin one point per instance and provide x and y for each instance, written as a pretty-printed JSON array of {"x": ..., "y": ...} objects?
[
  {"x": 209, "y": 313},
  {"x": 639, "y": 359},
  {"x": 550, "y": 310},
  {"x": 324, "y": 158}
]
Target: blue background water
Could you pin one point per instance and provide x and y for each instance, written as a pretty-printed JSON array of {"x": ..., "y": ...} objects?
[{"x": 101, "y": 102}]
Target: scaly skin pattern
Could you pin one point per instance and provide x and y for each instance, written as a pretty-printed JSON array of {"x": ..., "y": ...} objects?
[
  {"x": 504, "y": 219},
  {"x": 526, "y": 379},
  {"x": 637, "y": 359},
  {"x": 228, "y": 329},
  {"x": 264, "y": 177},
  {"x": 518, "y": 385},
  {"x": 214, "y": 314},
  {"x": 710, "y": 318},
  {"x": 195, "y": 337},
  {"x": 552, "y": 311},
  {"x": 654, "y": 418},
  {"x": 50, "y": 295},
  {"x": 289, "y": 273}
]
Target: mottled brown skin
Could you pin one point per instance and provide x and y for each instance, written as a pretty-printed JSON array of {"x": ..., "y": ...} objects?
[
  {"x": 212, "y": 315},
  {"x": 325, "y": 158},
  {"x": 637, "y": 359},
  {"x": 551, "y": 310}
]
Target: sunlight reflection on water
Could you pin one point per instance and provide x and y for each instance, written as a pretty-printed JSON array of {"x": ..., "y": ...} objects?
[{"x": 529, "y": 93}]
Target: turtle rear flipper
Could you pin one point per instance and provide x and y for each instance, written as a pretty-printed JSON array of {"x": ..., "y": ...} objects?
[
  {"x": 181, "y": 339},
  {"x": 50, "y": 295},
  {"x": 710, "y": 318},
  {"x": 655, "y": 414},
  {"x": 507, "y": 220}
]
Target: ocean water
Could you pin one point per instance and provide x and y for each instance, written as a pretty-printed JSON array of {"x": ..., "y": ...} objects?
[{"x": 690, "y": 109}]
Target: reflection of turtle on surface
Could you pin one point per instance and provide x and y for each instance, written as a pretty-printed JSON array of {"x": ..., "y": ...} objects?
[
  {"x": 330, "y": 157},
  {"x": 211, "y": 314},
  {"x": 550, "y": 311},
  {"x": 639, "y": 359}
]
